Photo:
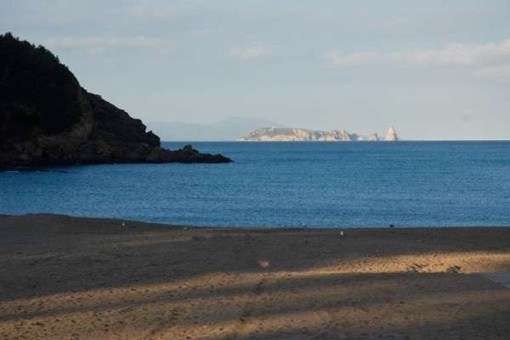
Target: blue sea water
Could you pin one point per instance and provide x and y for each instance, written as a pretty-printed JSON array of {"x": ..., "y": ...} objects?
[{"x": 285, "y": 185}]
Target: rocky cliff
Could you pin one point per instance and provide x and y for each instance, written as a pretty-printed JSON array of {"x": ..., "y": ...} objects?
[
  {"x": 47, "y": 118},
  {"x": 272, "y": 134}
]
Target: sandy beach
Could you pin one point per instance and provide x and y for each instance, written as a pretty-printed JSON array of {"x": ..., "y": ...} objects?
[{"x": 74, "y": 278}]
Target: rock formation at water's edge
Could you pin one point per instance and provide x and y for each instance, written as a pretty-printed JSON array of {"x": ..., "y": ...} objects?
[{"x": 48, "y": 119}]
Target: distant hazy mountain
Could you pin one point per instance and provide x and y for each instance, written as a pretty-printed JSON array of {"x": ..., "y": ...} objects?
[
  {"x": 275, "y": 134},
  {"x": 229, "y": 129}
]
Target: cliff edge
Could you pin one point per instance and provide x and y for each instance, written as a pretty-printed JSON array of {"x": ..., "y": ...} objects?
[{"x": 48, "y": 119}]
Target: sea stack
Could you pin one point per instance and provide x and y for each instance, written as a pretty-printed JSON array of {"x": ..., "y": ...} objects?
[{"x": 391, "y": 135}]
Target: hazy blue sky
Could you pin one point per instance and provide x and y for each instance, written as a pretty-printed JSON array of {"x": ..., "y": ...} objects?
[{"x": 436, "y": 69}]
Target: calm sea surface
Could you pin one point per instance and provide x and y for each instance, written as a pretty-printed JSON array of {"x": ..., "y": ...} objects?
[{"x": 285, "y": 184}]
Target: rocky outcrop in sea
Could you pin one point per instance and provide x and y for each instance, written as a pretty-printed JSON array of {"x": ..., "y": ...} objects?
[
  {"x": 48, "y": 119},
  {"x": 272, "y": 134}
]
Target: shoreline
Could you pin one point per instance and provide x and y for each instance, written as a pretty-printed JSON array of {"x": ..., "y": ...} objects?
[
  {"x": 66, "y": 277},
  {"x": 222, "y": 227}
]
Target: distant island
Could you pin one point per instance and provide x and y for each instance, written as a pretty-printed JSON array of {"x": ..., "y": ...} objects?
[
  {"x": 48, "y": 119},
  {"x": 277, "y": 134}
]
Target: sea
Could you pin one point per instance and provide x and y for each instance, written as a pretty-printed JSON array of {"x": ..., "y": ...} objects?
[{"x": 294, "y": 184}]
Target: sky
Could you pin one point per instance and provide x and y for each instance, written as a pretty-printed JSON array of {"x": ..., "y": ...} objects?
[{"x": 435, "y": 70}]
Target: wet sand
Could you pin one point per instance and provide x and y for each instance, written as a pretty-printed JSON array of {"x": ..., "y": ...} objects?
[{"x": 74, "y": 278}]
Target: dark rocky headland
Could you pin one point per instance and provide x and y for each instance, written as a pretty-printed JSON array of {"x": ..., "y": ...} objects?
[{"x": 48, "y": 119}]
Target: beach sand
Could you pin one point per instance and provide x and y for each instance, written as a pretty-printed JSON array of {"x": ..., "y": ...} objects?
[{"x": 73, "y": 278}]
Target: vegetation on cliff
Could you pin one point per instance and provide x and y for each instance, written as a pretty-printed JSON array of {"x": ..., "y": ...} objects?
[{"x": 37, "y": 93}]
